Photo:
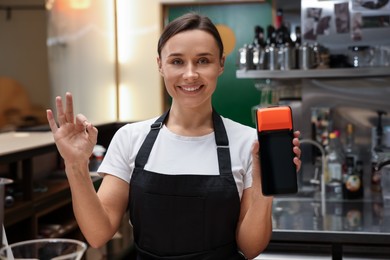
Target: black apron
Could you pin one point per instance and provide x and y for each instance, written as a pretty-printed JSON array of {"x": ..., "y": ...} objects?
[{"x": 179, "y": 217}]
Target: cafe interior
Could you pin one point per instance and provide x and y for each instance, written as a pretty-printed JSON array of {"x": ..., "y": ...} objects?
[{"x": 329, "y": 61}]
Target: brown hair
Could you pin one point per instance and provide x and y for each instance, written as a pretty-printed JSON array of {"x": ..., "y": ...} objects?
[{"x": 186, "y": 22}]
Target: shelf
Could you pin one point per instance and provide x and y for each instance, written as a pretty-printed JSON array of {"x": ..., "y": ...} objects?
[
  {"x": 20, "y": 211},
  {"x": 314, "y": 73},
  {"x": 42, "y": 207},
  {"x": 57, "y": 231}
]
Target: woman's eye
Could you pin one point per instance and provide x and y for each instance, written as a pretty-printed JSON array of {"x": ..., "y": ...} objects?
[
  {"x": 177, "y": 62},
  {"x": 203, "y": 61}
]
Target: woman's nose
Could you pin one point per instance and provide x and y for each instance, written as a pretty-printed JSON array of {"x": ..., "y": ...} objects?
[{"x": 190, "y": 72}]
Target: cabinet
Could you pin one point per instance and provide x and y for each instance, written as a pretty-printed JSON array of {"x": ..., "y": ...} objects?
[{"x": 43, "y": 210}]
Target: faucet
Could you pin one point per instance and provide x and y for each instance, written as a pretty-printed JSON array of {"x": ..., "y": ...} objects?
[
  {"x": 323, "y": 160},
  {"x": 382, "y": 164}
]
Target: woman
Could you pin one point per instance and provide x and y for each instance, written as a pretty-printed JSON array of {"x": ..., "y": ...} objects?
[{"x": 191, "y": 178}]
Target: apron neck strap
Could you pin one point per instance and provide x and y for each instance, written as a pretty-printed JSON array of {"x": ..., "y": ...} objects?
[
  {"x": 221, "y": 140},
  {"x": 146, "y": 148}
]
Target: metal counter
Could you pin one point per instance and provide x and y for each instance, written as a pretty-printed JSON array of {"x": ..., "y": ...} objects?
[{"x": 337, "y": 224}]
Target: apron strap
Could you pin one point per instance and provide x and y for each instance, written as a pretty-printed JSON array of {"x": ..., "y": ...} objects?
[
  {"x": 221, "y": 139},
  {"x": 146, "y": 148}
]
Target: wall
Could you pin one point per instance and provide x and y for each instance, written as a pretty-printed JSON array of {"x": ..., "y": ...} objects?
[
  {"x": 86, "y": 66},
  {"x": 81, "y": 56},
  {"x": 139, "y": 28},
  {"x": 23, "y": 53},
  {"x": 338, "y": 24},
  {"x": 81, "y": 50}
]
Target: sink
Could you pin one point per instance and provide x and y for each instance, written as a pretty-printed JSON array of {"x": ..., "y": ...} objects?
[{"x": 305, "y": 193}]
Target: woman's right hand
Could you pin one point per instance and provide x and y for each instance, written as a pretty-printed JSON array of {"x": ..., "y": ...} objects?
[{"x": 74, "y": 137}]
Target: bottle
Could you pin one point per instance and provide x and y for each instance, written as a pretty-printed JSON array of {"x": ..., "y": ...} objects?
[
  {"x": 375, "y": 175},
  {"x": 298, "y": 36},
  {"x": 258, "y": 51},
  {"x": 296, "y": 44},
  {"x": 350, "y": 149},
  {"x": 258, "y": 39},
  {"x": 271, "y": 35},
  {"x": 334, "y": 187},
  {"x": 353, "y": 182},
  {"x": 340, "y": 150},
  {"x": 279, "y": 18},
  {"x": 96, "y": 158}
]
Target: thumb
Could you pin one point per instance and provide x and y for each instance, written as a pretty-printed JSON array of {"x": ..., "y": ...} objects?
[
  {"x": 83, "y": 124},
  {"x": 255, "y": 155},
  {"x": 92, "y": 132}
]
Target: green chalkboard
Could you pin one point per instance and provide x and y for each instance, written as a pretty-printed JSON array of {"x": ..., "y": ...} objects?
[{"x": 233, "y": 98}]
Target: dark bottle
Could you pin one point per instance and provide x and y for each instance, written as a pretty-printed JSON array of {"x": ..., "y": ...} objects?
[
  {"x": 350, "y": 147},
  {"x": 271, "y": 35},
  {"x": 375, "y": 174},
  {"x": 353, "y": 181},
  {"x": 298, "y": 40},
  {"x": 283, "y": 36},
  {"x": 279, "y": 18},
  {"x": 258, "y": 39}
]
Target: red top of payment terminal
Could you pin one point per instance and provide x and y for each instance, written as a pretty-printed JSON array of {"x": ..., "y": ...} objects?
[{"x": 274, "y": 118}]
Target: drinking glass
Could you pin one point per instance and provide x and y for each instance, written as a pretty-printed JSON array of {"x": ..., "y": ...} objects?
[
  {"x": 45, "y": 249},
  {"x": 385, "y": 185}
]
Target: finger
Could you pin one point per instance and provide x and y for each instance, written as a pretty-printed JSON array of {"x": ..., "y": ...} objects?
[
  {"x": 298, "y": 163},
  {"x": 60, "y": 111},
  {"x": 69, "y": 115},
  {"x": 83, "y": 125},
  {"x": 297, "y": 134},
  {"x": 81, "y": 122},
  {"x": 297, "y": 151},
  {"x": 52, "y": 122},
  {"x": 296, "y": 142},
  {"x": 92, "y": 133}
]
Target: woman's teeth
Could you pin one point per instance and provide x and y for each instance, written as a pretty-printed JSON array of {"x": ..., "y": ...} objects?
[{"x": 190, "y": 89}]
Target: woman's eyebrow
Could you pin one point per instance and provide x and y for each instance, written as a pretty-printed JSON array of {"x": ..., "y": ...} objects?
[
  {"x": 177, "y": 54},
  {"x": 204, "y": 54}
]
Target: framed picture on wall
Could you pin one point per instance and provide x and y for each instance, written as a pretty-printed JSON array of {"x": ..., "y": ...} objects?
[{"x": 371, "y": 6}]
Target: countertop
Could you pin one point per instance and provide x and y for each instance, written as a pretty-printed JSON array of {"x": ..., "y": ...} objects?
[
  {"x": 12, "y": 142},
  {"x": 364, "y": 222}
]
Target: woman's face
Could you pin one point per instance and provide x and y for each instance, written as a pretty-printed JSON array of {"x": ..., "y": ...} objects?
[{"x": 190, "y": 65}]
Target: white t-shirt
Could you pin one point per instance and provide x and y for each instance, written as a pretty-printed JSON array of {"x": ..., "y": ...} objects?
[{"x": 175, "y": 154}]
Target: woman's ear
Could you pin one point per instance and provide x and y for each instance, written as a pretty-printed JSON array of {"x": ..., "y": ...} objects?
[
  {"x": 159, "y": 66},
  {"x": 222, "y": 64}
]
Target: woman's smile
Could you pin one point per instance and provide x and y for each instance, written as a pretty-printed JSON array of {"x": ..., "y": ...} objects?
[{"x": 191, "y": 88}]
